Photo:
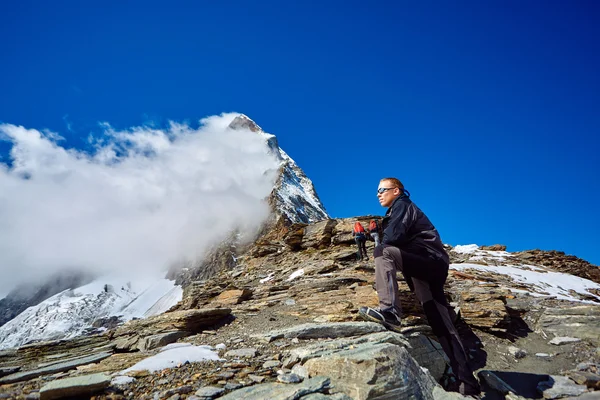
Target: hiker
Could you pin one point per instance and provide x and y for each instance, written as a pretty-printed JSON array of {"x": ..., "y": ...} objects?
[
  {"x": 412, "y": 245},
  {"x": 360, "y": 238},
  {"x": 374, "y": 231}
]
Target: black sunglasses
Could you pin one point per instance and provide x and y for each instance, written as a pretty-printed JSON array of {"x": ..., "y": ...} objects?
[{"x": 383, "y": 190}]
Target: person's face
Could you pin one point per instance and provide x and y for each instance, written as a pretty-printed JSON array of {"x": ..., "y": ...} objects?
[{"x": 387, "y": 193}]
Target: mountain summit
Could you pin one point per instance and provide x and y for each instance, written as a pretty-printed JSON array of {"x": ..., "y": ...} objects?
[{"x": 294, "y": 198}]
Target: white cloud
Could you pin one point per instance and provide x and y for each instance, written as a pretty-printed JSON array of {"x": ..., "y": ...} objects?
[{"x": 144, "y": 198}]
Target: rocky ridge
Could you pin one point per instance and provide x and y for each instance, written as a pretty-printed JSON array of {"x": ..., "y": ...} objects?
[{"x": 283, "y": 319}]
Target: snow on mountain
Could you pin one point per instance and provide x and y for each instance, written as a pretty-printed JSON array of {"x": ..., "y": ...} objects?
[
  {"x": 72, "y": 312},
  {"x": 294, "y": 195},
  {"x": 535, "y": 280}
]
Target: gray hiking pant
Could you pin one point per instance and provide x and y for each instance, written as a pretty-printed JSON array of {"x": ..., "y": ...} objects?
[
  {"x": 425, "y": 277},
  {"x": 375, "y": 237}
]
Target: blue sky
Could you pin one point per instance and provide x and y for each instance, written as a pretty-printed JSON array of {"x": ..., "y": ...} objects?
[{"x": 489, "y": 112}]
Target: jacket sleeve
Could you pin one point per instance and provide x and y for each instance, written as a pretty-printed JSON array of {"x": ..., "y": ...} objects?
[{"x": 395, "y": 231}]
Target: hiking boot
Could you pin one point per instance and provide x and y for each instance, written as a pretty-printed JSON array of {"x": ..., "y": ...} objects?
[
  {"x": 387, "y": 318},
  {"x": 466, "y": 389}
]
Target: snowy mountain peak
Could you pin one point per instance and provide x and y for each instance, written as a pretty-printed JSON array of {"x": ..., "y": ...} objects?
[
  {"x": 294, "y": 197},
  {"x": 242, "y": 121}
]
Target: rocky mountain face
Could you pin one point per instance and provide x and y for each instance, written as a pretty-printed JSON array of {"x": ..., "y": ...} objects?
[
  {"x": 294, "y": 198},
  {"x": 282, "y": 323}
]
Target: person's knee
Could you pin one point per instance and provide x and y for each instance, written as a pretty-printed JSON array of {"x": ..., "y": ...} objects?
[{"x": 378, "y": 251}]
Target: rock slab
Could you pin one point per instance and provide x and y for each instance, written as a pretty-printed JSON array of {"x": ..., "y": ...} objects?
[
  {"x": 74, "y": 387},
  {"x": 558, "y": 387},
  {"x": 280, "y": 391},
  {"x": 374, "y": 370},
  {"x": 330, "y": 330},
  {"x": 54, "y": 368}
]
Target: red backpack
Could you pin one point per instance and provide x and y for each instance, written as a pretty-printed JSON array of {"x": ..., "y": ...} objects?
[
  {"x": 358, "y": 228},
  {"x": 373, "y": 226}
]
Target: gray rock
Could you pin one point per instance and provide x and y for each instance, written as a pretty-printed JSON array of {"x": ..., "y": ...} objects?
[
  {"x": 318, "y": 235},
  {"x": 209, "y": 392},
  {"x": 587, "y": 366},
  {"x": 159, "y": 340},
  {"x": 560, "y": 340},
  {"x": 324, "y": 347},
  {"x": 321, "y": 396},
  {"x": 33, "y": 396},
  {"x": 588, "y": 379},
  {"x": 279, "y": 391},
  {"x": 560, "y": 386},
  {"x": 184, "y": 389},
  {"x": 371, "y": 370},
  {"x": 329, "y": 330},
  {"x": 586, "y": 396},
  {"x": 271, "y": 364},
  {"x": 301, "y": 371},
  {"x": 289, "y": 378},
  {"x": 290, "y": 361},
  {"x": 428, "y": 353},
  {"x": 8, "y": 370},
  {"x": 582, "y": 322},
  {"x": 516, "y": 352},
  {"x": 127, "y": 343},
  {"x": 242, "y": 353},
  {"x": 85, "y": 385},
  {"x": 256, "y": 378},
  {"x": 54, "y": 368},
  {"x": 232, "y": 386}
]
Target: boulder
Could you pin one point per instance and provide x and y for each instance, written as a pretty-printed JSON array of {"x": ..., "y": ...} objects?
[
  {"x": 159, "y": 340},
  {"x": 293, "y": 238},
  {"x": 372, "y": 370},
  {"x": 318, "y": 235},
  {"x": 425, "y": 351},
  {"x": 484, "y": 308},
  {"x": 232, "y": 297}
]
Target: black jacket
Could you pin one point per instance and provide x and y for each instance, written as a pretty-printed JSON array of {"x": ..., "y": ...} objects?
[{"x": 406, "y": 227}]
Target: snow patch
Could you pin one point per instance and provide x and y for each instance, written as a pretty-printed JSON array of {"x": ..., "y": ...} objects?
[
  {"x": 268, "y": 278},
  {"x": 172, "y": 356},
  {"x": 543, "y": 282},
  {"x": 296, "y": 274}
]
